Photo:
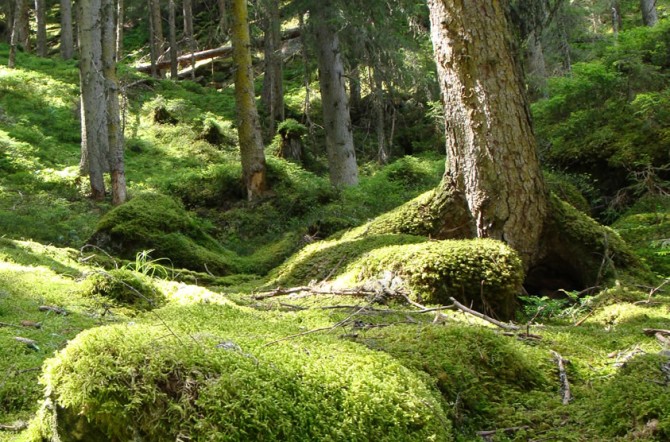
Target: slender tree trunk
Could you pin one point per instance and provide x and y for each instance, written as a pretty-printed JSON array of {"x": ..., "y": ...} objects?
[
  {"x": 380, "y": 118},
  {"x": 94, "y": 110},
  {"x": 114, "y": 132},
  {"x": 491, "y": 153},
  {"x": 537, "y": 69},
  {"x": 617, "y": 21},
  {"x": 251, "y": 143},
  {"x": 156, "y": 37},
  {"x": 188, "y": 33},
  {"x": 9, "y": 19},
  {"x": 355, "y": 89},
  {"x": 335, "y": 104},
  {"x": 223, "y": 19},
  {"x": 41, "y": 24},
  {"x": 172, "y": 21},
  {"x": 14, "y": 39},
  {"x": 120, "y": 19},
  {"x": 272, "y": 97},
  {"x": 66, "y": 33},
  {"x": 649, "y": 14},
  {"x": 24, "y": 25}
]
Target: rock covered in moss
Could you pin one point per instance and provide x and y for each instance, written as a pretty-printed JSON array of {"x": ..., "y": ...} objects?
[
  {"x": 124, "y": 287},
  {"x": 158, "y": 222},
  {"x": 135, "y": 383}
]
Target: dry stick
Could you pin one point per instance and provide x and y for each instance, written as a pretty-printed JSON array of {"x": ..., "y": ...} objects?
[
  {"x": 314, "y": 291},
  {"x": 51, "y": 308},
  {"x": 487, "y": 433},
  {"x": 653, "y": 331},
  {"x": 483, "y": 316},
  {"x": 337, "y": 266},
  {"x": 7, "y": 324},
  {"x": 565, "y": 385},
  {"x": 16, "y": 427}
]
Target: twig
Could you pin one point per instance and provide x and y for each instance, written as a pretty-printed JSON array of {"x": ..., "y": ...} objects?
[
  {"x": 583, "y": 320},
  {"x": 312, "y": 290},
  {"x": 565, "y": 384},
  {"x": 654, "y": 331},
  {"x": 500, "y": 324},
  {"x": 332, "y": 272},
  {"x": 28, "y": 342},
  {"x": 7, "y": 324}
]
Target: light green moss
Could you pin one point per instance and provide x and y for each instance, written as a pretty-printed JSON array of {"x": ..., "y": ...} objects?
[
  {"x": 222, "y": 383},
  {"x": 124, "y": 287}
]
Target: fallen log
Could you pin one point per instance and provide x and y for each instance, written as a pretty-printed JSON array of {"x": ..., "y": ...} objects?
[{"x": 223, "y": 51}]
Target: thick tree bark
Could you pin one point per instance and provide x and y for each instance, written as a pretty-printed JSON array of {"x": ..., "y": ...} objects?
[
  {"x": 66, "y": 33},
  {"x": 95, "y": 138},
  {"x": 14, "y": 39},
  {"x": 491, "y": 152},
  {"x": 251, "y": 143},
  {"x": 41, "y": 25},
  {"x": 172, "y": 23},
  {"x": 335, "y": 104},
  {"x": 272, "y": 97},
  {"x": 23, "y": 13},
  {"x": 114, "y": 132},
  {"x": 649, "y": 14}
]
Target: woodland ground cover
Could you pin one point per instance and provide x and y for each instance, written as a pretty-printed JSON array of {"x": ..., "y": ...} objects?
[{"x": 145, "y": 337}]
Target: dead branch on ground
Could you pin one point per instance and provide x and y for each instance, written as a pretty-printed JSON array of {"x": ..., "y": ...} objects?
[{"x": 565, "y": 384}]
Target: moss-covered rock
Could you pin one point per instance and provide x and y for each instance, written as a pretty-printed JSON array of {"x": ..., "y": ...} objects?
[
  {"x": 134, "y": 383},
  {"x": 158, "y": 222},
  {"x": 125, "y": 288}
]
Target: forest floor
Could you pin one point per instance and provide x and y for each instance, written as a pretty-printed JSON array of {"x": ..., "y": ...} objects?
[{"x": 609, "y": 345}]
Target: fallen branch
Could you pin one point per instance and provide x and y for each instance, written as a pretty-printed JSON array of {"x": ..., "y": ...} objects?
[
  {"x": 654, "y": 331},
  {"x": 52, "y": 308},
  {"x": 486, "y": 435},
  {"x": 28, "y": 342},
  {"x": 7, "y": 324},
  {"x": 17, "y": 426},
  {"x": 565, "y": 384},
  {"x": 500, "y": 324},
  {"x": 311, "y": 290}
]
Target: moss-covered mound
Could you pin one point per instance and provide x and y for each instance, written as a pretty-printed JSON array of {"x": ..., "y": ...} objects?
[
  {"x": 125, "y": 288},
  {"x": 485, "y": 273},
  {"x": 646, "y": 227},
  {"x": 230, "y": 382},
  {"x": 478, "y": 372}
]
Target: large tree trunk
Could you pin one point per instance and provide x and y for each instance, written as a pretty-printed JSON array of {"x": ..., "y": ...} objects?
[
  {"x": 335, "y": 104},
  {"x": 66, "y": 33},
  {"x": 272, "y": 97},
  {"x": 649, "y": 14},
  {"x": 251, "y": 143},
  {"x": 23, "y": 13},
  {"x": 41, "y": 25},
  {"x": 491, "y": 151},
  {"x": 114, "y": 132},
  {"x": 95, "y": 139}
]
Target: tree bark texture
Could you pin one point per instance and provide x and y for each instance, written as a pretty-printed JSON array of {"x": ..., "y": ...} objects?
[
  {"x": 537, "y": 68},
  {"x": 272, "y": 96},
  {"x": 23, "y": 13},
  {"x": 249, "y": 131},
  {"x": 491, "y": 151},
  {"x": 8, "y": 9},
  {"x": 335, "y": 104},
  {"x": 649, "y": 14},
  {"x": 223, "y": 18},
  {"x": 93, "y": 112},
  {"x": 66, "y": 32},
  {"x": 113, "y": 114},
  {"x": 41, "y": 25},
  {"x": 156, "y": 37}
]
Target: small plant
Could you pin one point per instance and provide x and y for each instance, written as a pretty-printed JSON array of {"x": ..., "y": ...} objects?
[{"x": 147, "y": 266}]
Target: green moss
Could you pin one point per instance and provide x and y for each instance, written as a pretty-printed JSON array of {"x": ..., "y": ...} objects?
[
  {"x": 124, "y": 287},
  {"x": 129, "y": 382},
  {"x": 560, "y": 185},
  {"x": 484, "y": 273}
]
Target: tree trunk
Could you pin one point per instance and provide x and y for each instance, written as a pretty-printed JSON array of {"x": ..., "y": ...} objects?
[
  {"x": 41, "y": 19},
  {"x": 24, "y": 25},
  {"x": 251, "y": 143},
  {"x": 95, "y": 139},
  {"x": 223, "y": 19},
  {"x": 272, "y": 97},
  {"x": 188, "y": 33},
  {"x": 380, "y": 118},
  {"x": 156, "y": 35},
  {"x": 66, "y": 33},
  {"x": 114, "y": 132},
  {"x": 9, "y": 19},
  {"x": 337, "y": 121},
  {"x": 355, "y": 90},
  {"x": 172, "y": 22},
  {"x": 491, "y": 153},
  {"x": 14, "y": 39},
  {"x": 649, "y": 14},
  {"x": 120, "y": 18},
  {"x": 537, "y": 69}
]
